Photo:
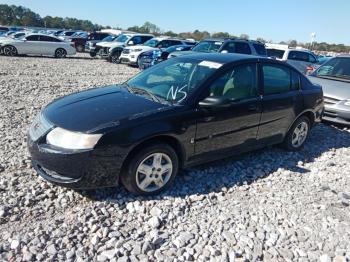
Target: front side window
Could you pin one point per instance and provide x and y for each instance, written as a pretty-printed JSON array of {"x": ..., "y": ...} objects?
[
  {"x": 48, "y": 39},
  {"x": 277, "y": 79},
  {"x": 208, "y": 46},
  {"x": 338, "y": 67},
  {"x": 32, "y": 38},
  {"x": 173, "y": 80},
  {"x": 136, "y": 40},
  {"x": 237, "y": 84},
  {"x": 229, "y": 47}
]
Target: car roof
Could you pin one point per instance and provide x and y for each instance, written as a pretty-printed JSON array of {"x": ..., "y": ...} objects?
[{"x": 220, "y": 58}]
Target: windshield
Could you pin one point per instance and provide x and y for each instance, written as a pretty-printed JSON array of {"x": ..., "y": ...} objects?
[
  {"x": 208, "y": 46},
  {"x": 277, "y": 53},
  {"x": 122, "y": 38},
  {"x": 173, "y": 80},
  {"x": 338, "y": 67},
  {"x": 151, "y": 42},
  {"x": 108, "y": 38}
]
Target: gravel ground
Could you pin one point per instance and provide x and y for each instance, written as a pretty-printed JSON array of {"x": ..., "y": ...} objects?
[{"x": 268, "y": 205}]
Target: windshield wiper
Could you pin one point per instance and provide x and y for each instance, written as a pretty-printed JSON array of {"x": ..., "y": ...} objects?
[{"x": 136, "y": 90}]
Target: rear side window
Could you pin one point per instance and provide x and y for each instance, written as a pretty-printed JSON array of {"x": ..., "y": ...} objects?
[
  {"x": 312, "y": 59},
  {"x": 260, "y": 49},
  {"x": 299, "y": 56},
  {"x": 243, "y": 48},
  {"x": 277, "y": 53},
  {"x": 277, "y": 79},
  {"x": 45, "y": 38}
]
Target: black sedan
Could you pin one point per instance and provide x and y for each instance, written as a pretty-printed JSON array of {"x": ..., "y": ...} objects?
[{"x": 184, "y": 111}]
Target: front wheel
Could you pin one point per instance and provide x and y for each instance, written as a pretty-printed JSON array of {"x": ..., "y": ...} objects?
[
  {"x": 9, "y": 50},
  {"x": 151, "y": 170},
  {"x": 298, "y": 134},
  {"x": 114, "y": 58},
  {"x": 60, "y": 53},
  {"x": 80, "y": 48}
]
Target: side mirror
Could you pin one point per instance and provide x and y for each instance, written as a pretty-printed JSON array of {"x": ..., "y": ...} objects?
[
  {"x": 224, "y": 52},
  {"x": 131, "y": 42},
  {"x": 215, "y": 102}
]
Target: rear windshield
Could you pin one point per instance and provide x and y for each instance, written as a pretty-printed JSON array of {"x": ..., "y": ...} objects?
[
  {"x": 277, "y": 53},
  {"x": 260, "y": 49}
]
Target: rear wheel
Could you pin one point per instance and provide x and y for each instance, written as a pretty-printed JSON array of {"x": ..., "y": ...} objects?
[
  {"x": 151, "y": 170},
  {"x": 298, "y": 134},
  {"x": 9, "y": 50},
  {"x": 60, "y": 53}
]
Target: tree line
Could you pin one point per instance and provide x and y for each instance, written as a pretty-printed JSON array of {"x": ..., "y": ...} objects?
[{"x": 22, "y": 16}]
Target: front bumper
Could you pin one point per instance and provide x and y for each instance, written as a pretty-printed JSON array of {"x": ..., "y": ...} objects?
[
  {"x": 75, "y": 169},
  {"x": 130, "y": 58},
  {"x": 336, "y": 115}
]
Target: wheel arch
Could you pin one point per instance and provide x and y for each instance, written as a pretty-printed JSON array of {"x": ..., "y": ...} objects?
[
  {"x": 309, "y": 114},
  {"x": 166, "y": 139}
]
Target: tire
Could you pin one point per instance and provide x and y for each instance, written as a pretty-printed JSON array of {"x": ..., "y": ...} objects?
[
  {"x": 114, "y": 58},
  {"x": 162, "y": 165},
  {"x": 9, "y": 50},
  {"x": 298, "y": 134},
  {"x": 60, "y": 53},
  {"x": 80, "y": 48},
  {"x": 92, "y": 53}
]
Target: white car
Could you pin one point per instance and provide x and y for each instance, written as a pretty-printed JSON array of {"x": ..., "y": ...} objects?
[
  {"x": 302, "y": 59},
  {"x": 36, "y": 44},
  {"x": 103, "y": 48},
  {"x": 130, "y": 55}
]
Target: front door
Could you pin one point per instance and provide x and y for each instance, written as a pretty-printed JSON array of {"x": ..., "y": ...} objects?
[{"x": 221, "y": 129}]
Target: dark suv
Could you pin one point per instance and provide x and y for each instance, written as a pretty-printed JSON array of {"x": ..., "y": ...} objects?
[{"x": 226, "y": 45}]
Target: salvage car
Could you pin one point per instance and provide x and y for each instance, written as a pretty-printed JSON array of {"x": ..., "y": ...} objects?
[
  {"x": 130, "y": 55},
  {"x": 226, "y": 45},
  {"x": 181, "y": 112},
  {"x": 112, "y": 50},
  {"x": 302, "y": 59},
  {"x": 334, "y": 76},
  {"x": 37, "y": 44},
  {"x": 153, "y": 57}
]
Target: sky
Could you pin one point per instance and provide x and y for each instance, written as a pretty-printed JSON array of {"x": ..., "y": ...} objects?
[{"x": 277, "y": 20}]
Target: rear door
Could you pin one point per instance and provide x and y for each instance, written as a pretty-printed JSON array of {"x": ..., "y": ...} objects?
[
  {"x": 48, "y": 45},
  {"x": 281, "y": 101}
]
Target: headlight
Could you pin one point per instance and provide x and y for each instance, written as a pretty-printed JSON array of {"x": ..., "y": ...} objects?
[
  {"x": 136, "y": 50},
  {"x": 71, "y": 140}
]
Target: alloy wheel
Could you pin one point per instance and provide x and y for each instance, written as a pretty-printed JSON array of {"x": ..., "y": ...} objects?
[
  {"x": 300, "y": 134},
  {"x": 154, "y": 172},
  {"x": 10, "y": 51}
]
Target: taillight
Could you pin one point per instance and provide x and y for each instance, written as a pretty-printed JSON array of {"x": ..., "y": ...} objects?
[{"x": 309, "y": 68}]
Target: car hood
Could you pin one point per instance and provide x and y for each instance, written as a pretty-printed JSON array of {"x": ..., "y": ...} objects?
[
  {"x": 98, "y": 109},
  {"x": 110, "y": 44},
  {"x": 339, "y": 90}
]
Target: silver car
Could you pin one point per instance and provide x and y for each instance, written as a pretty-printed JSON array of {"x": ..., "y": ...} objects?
[{"x": 334, "y": 77}]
